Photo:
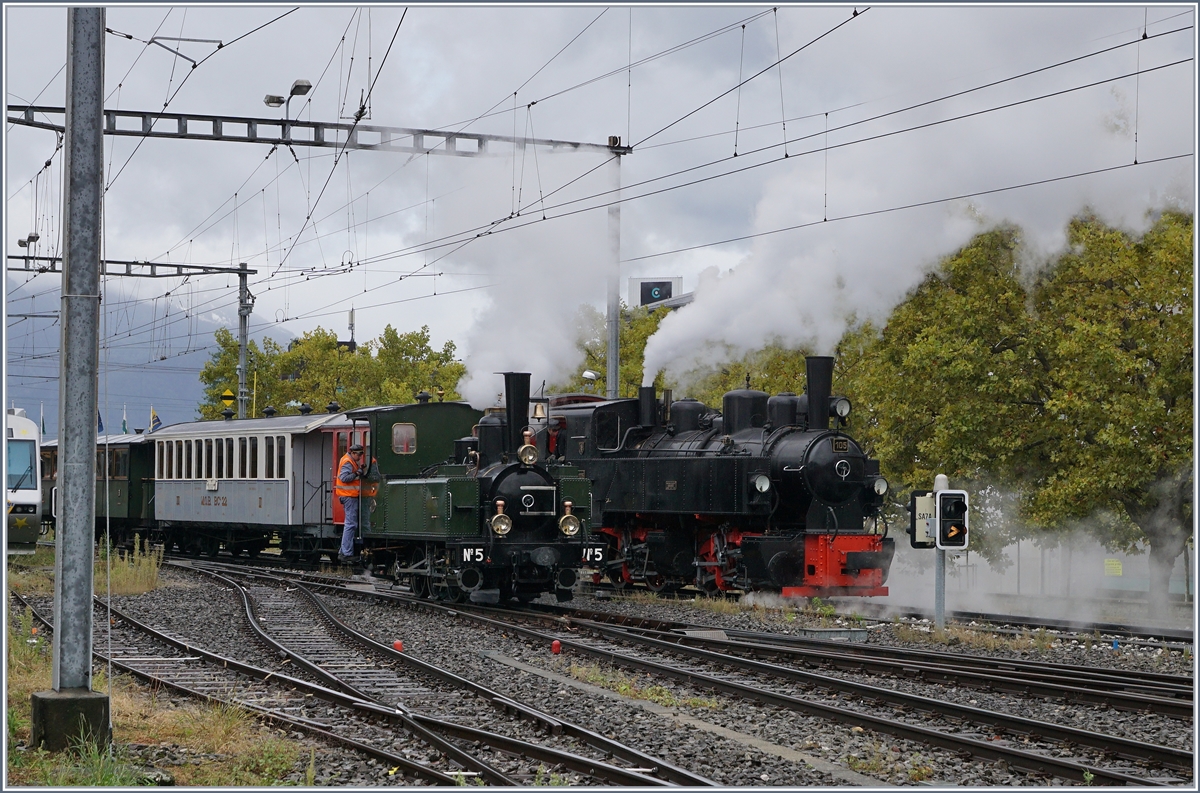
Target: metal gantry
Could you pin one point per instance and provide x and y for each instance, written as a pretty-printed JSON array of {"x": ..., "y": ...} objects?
[{"x": 357, "y": 136}]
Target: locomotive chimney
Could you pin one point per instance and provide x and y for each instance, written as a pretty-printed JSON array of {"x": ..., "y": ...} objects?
[
  {"x": 647, "y": 406},
  {"x": 516, "y": 402},
  {"x": 819, "y": 372}
]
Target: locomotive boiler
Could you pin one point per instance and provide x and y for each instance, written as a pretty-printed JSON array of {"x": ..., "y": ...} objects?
[{"x": 762, "y": 495}]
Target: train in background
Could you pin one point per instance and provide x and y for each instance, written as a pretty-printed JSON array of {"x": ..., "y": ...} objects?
[
  {"x": 23, "y": 485},
  {"x": 761, "y": 495},
  {"x": 466, "y": 506}
]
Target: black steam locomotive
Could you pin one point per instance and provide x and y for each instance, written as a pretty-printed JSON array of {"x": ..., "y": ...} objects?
[{"x": 762, "y": 495}]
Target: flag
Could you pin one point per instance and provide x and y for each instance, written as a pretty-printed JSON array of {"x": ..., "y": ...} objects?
[
  {"x": 155, "y": 421},
  {"x": 124, "y": 422},
  {"x": 42, "y": 413},
  {"x": 99, "y": 422}
]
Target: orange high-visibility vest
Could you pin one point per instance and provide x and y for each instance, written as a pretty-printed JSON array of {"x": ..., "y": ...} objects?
[
  {"x": 341, "y": 488},
  {"x": 351, "y": 490}
]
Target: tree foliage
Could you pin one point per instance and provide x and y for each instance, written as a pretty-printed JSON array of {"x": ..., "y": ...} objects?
[
  {"x": 316, "y": 370},
  {"x": 1074, "y": 394}
]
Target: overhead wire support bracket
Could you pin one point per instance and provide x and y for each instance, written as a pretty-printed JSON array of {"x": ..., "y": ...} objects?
[
  {"x": 135, "y": 269},
  {"x": 160, "y": 39},
  {"x": 276, "y": 131}
]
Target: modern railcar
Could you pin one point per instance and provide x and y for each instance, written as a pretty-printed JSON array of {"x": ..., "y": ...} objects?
[{"x": 23, "y": 497}]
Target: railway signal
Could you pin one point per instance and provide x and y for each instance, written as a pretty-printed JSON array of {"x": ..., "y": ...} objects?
[
  {"x": 921, "y": 506},
  {"x": 951, "y": 520}
]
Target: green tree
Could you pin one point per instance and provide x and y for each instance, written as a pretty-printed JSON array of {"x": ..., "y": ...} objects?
[
  {"x": 315, "y": 369},
  {"x": 950, "y": 385},
  {"x": 1115, "y": 338},
  {"x": 1069, "y": 401},
  {"x": 220, "y": 373},
  {"x": 407, "y": 364}
]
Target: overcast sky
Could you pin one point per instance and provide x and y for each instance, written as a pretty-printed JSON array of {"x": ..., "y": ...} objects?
[{"x": 867, "y": 116}]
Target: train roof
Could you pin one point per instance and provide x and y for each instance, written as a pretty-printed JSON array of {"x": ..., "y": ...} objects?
[
  {"x": 294, "y": 425},
  {"x": 112, "y": 440},
  {"x": 363, "y": 412}
]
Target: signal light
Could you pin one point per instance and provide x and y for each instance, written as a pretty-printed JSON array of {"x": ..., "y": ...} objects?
[{"x": 951, "y": 520}]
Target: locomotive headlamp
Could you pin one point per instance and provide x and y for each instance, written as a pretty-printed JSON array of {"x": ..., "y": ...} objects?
[
  {"x": 528, "y": 454},
  {"x": 881, "y": 486},
  {"x": 501, "y": 524},
  {"x": 569, "y": 524},
  {"x": 839, "y": 406},
  {"x": 761, "y": 482}
]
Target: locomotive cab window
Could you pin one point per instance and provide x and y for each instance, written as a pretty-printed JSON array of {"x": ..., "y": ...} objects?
[
  {"x": 404, "y": 438},
  {"x": 608, "y": 430}
]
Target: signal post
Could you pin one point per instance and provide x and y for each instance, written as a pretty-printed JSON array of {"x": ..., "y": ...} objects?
[{"x": 939, "y": 520}]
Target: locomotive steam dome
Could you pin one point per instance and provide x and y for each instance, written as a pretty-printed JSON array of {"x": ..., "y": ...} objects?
[
  {"x": 834, "y": 468},
  {"x": 686, "y": 413},
  {"x": 744, "y": 409}
]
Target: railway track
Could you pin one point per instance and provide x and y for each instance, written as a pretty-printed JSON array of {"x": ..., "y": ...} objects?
[
  {"x": 1131, "y": 690},
  {"x": 296, "y": 623},
  {"x": 360, "y": 700},
  {"x": 856, "y": 703},
  {"x": 1016, "y": 623}
]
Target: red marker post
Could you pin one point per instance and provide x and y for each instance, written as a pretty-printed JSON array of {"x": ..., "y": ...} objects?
[
  {"x": 399, "y": 645},
  {"x": 555, "y": 647}
]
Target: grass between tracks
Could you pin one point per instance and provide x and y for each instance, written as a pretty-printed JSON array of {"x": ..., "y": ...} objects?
[
  {"x": 211, "y": 745},
  {"x": 129, "y": 572},
  {"x": 628, "y": 686}
]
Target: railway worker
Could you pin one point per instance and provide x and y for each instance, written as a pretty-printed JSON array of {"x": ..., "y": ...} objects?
[{"x": 348, "y": 489}]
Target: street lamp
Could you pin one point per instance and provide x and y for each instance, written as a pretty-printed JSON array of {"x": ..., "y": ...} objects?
[{"x": 299, "y": 88}]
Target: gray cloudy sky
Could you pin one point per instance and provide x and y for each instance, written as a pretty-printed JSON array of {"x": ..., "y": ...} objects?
[{"x": 858, "y": 123}]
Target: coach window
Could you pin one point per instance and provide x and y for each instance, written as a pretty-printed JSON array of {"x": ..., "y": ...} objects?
[
  {"x": 218, "y": 459},
  {"x": 158, "y": 460},
  {"x": 281, "y": 450},
  {"x": 242, "y": 455},
  {"x": 187, "y": 458},
  {"x": 179, "y": 459},
  {"x": 120, "y": 466},
  {"x": 208, "y": 458},
  {"x": 269, "y": 457},
  {"x": 254, "y": 458},
  {"x": 49, "y": 464},
  {"x": 229, "y": 458},
  {"x": 404, "y": 438},
  {"x": 101, "y": 469}
]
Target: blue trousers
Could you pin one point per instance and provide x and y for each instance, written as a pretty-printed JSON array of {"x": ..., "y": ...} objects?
[{"x": 350, "y": 532}]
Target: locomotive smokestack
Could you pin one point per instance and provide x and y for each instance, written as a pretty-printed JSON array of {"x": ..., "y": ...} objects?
[
  {"x": 647, "y": 407},
  {"x": 516, "y": 403},
  {"x": 819, "y": 372}
]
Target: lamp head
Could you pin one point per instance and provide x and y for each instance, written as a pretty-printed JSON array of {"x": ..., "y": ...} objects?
[
  {"x": 301, "y": 88},
  {"x": 271, "y": 100}
]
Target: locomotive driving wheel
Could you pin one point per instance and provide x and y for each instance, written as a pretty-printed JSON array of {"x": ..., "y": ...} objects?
[{"x": 418, "y": 582}]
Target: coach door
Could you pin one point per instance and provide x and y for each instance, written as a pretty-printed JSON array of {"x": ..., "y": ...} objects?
[{"x": 342, "y": 441}]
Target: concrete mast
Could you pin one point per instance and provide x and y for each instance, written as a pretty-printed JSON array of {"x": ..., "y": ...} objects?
[{"x": 60, "y": 715}]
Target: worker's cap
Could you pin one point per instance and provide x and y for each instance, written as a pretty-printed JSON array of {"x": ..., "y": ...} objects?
[{"x": 356, "y": 447}]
